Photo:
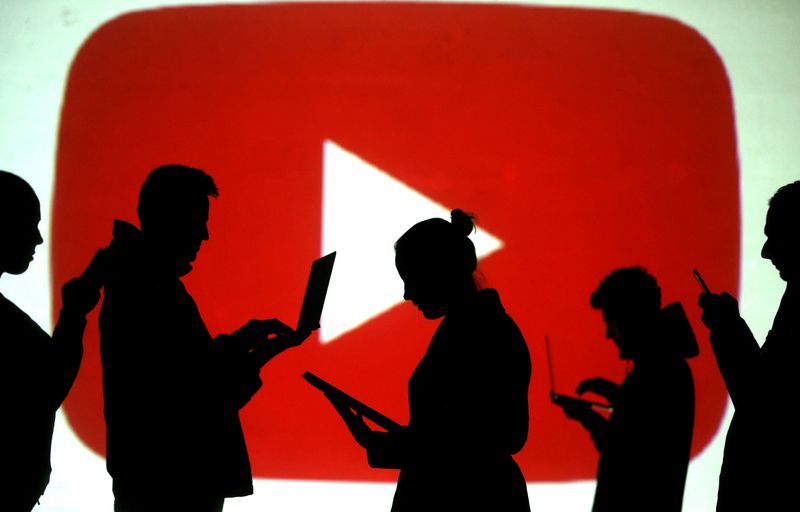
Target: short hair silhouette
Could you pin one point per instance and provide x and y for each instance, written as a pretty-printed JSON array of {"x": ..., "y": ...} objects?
[
  {"x": 11, "y": 187},
  {"x": 785, "y": 204},
  {"x": 16, "y": 195},
  {"x": 170, "y": 190},
  {"x": 442, "y": 245},
  {"x": 626, "y": 292}
]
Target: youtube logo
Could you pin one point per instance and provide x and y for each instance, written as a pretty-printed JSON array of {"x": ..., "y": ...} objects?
[{"x": 583, "y": 140}]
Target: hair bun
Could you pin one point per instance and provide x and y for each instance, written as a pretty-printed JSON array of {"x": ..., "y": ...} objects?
[{"x": 462, "y": 221}]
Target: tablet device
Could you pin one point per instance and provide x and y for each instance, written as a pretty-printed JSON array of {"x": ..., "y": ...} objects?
[
  {"x": 364, "y": 410},
  {"x": 316, "y": 290}
]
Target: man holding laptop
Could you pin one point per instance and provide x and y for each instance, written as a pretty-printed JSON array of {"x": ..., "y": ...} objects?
[
  {"x": 172, "y": 392},
  {"x": 645, "y": 442}
]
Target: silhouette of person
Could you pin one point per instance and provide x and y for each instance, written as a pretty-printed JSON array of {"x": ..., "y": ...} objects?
[
  {"x": 759, "y": 466},
  {"x": 38, "y": 371},
  {"x": 468, "y": 396},
  {"x": 644, "y": 444},
  {"x": 172, "y": 392}
]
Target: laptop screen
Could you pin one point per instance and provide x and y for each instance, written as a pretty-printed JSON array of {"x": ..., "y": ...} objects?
[{"x": 316, "y": 290}]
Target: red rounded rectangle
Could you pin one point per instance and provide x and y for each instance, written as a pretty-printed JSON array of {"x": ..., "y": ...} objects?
[{"x": 584, "y": 139}]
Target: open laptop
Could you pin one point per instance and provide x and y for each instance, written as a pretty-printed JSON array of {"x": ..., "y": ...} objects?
[
  {"x": 560, "y": 399},
  {"x": 316, "y": 290}
]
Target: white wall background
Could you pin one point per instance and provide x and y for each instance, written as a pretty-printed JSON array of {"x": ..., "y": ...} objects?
[{"x": 759, "y": 44}]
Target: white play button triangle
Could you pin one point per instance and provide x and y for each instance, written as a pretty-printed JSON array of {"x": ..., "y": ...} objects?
[{"x": 364, "y": 211}]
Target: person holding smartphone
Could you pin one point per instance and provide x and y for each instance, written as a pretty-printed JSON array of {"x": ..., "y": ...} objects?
[
  {"x": 762, "y": 446},
  {"x": 468, "y": 396},
  {"x": 37, "y": 370}
]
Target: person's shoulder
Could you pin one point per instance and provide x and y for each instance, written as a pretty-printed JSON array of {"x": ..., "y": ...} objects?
[
  {"x": 18, "y": 328},
  {"x": 128, "y": 263},
  {"x": 486, "y": 305},
  {"x": 6, "y": 308},
  {"x": 498, "y": 327},
  {"x": 494, "y": 308},
  {"x": 10, "y": 312}
]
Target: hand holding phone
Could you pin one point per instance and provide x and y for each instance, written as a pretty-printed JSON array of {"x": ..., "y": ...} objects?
[
  {"x": 700, "y": 281},
  {"x": 571, "y": 401}
]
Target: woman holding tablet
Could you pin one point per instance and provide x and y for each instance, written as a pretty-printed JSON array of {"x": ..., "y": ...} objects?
[{"x": 468, "y": 396}]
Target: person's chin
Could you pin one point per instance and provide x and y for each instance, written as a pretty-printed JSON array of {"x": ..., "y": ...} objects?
[
  {"x": 782, "y": 273},
  {"x": 190, "y": 258},
  {"x": 431, "y": 314},
  {"x": 20, "y": 267},
  {"x": 789, "y": 277}
]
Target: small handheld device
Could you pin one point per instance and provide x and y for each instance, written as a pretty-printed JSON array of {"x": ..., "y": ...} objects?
[{"x": 700, "y": 281}]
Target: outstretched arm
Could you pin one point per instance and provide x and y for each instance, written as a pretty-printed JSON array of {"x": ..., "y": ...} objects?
[
  {"x": 249, "y": 348},
  {"x": 263, "y": 339}
]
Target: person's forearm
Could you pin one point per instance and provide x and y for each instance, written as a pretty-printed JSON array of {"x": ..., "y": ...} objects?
[
  {"x": 597, "y": 426},
  {"x": 738, "y": 358},
  {"x": 66, "y": 354}
]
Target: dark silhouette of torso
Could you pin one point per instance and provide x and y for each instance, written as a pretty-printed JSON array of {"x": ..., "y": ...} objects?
[
  {"x": 468, "y": 401},
  {"x": 30, "y": 401},
  {"x": 759, "y": 469},
  {"x": 37, "y": 371},
  {"x": 170, "y": 407},
  {"x": 645, "y": 455},
  {"x": 36, "y": 377}
]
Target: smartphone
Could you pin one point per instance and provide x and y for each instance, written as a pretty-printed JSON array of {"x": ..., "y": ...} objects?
[{"x": 700, "y": 281}]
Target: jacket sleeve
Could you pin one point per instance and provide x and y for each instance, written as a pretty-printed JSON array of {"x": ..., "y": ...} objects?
[
  {"x": 239, "y": 376},
  {"x": 740, "y": 363}
]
